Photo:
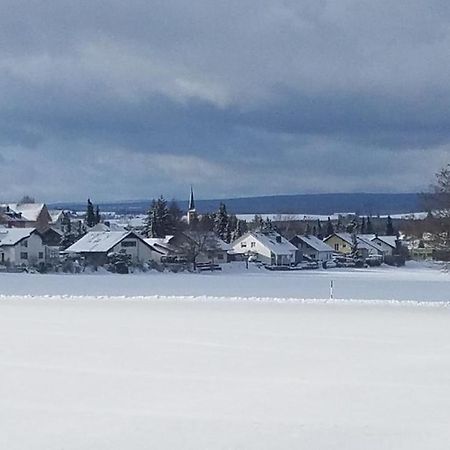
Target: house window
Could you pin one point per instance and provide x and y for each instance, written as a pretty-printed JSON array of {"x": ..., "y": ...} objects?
[
  {"x": 3, "y": 257},
  {"x": 253, "y": 245},
  {"x": 23, "y": 255},
  {"x": 128, "y": 244},
  {"x": 344, "y": 245},
  {"x": 41, "y": 255},
  {"x": 336, "y": 247},
  {"x": 220, "y": 256},
  {"x": 243, "y": 244},
  {"x": 24, "y": 243}
]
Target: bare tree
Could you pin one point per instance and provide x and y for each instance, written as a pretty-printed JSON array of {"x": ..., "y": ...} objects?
[
  {"x": 437, "y": 203},
  {"x": 198, "y": 242}
]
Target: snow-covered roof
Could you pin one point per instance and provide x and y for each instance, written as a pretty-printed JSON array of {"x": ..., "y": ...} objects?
[
  {"x": 99, "y": 241},
  {"x": 162, "y": 245},
  {"x": 12, "y": 236},
  {"x": 315, "y": 243},
  {"x": 269, "y": 240},
  {"x": 29, "y": 211},
  {"x": 347, "y": 237},
  {"x": 56, "y": 214},
  {"x": 363, "y": 243},
  {"x": 388, "y": 240}
]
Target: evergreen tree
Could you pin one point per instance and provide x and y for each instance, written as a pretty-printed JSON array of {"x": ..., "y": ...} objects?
[
  {"x": 257, "y": 223},
  {"x": 241, "y": 229},
  {"x": 174, "y": 224},
  {"x": 363, "y": 226},
  {"x": 158, "y": 223},
  {"x": 221, "y": 220},
  {"x": 308, "y": 229},
  {"x": 330, "y": 228},
  {"x": 90, "y": 214},
  {"x": 267, "y": 225},
  {"x": 369, "y": 227},
  {"x": 389, "y": 227},
  {"x": 339, "y": 225},
  {"x": 231, "y": 227},
  {"x": 206, "y": 222},
  {"x": 98, "y": 217}
]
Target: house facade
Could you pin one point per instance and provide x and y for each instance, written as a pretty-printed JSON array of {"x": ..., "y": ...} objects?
[
  {"x": 95, "y": 247},
  {"x": 386, "y": 244},
  {"x": 313, "y": 247},
  {"x": 269, "y": 247},
  {"x": 21, "y": 247},
  {"x": 344, "y": 243},
  {"x": 340, "y": 242}
]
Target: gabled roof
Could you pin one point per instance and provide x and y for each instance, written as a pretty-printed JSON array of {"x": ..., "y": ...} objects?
[
  {"x": 347, "y": 237},
  {"x": 269, "y": 240},
  {"x": 29, "y": 211},
  {"x": 388, "y": 240},
  {"x": 12, "y": 236},
  {"x": 102, "y": 241},
  {"x": 56, "y": 214},
  {"x": 315, "y": 243},
  {"x": 363, "y": 243}
]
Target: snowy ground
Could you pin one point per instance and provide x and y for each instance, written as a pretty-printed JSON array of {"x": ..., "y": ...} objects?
[{"x": 217, "y": 373}]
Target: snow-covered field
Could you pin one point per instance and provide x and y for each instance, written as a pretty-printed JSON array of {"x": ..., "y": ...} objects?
[{"x": 203, "y": 363}]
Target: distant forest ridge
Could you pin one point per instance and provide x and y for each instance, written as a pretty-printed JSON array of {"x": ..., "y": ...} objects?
[{"x": 362, "y": 204}]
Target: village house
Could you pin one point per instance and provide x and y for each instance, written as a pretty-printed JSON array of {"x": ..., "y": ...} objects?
[
  {"x": 387, "y": 244},
  {"x": 26, "y": 215},
  {"x": 21, "y": 247},
  {"x": 312, "y": 247},
  {"x": 268, "y": 247},
  {"x": 95, "y": 247},
  {"x": 344, "y": 243},
  {"x": 340, "y": 242}
]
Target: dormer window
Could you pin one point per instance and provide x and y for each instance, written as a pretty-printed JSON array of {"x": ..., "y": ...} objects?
[{"x": 24, "y": 243}]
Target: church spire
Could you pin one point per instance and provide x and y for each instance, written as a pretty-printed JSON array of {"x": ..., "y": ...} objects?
[{"x": 191, "y": 201}]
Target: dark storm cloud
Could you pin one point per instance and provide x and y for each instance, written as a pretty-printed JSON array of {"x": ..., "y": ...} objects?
[{"x": 244, "y": 97}]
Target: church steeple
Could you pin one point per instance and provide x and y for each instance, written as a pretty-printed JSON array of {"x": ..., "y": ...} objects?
[
  {"x": 191, "y": 215},
  {"x": 192, "y": 201}
]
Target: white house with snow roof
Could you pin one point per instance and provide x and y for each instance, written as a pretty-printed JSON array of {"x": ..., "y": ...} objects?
[
  {"x": 387, "y": 244},
  {"x": 268, "y": 246},
  {"x": 21, "y": 246},
  {"x": 95, "y": 247},
  {"x": 313, "y": 247}
]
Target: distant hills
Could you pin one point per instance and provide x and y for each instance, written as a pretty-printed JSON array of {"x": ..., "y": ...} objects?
[{"x": 363, "y": 204}]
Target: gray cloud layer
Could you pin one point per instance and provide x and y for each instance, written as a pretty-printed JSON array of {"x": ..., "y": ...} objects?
[{"x": 119, "y": 100}]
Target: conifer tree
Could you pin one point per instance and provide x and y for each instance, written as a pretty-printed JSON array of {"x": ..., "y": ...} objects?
[
  {"x": 241, "y": 229},
  {"x": 206, "y": 222},
  {"x": 363, "y": 226},
  {"x": 90, "y": 214},
  {"x": 175, "y": 214},
  {"x": 158, "y": 221},
  {"x": 389, "y": 227},
  {"x": 369, "y": 227},
  {"x": 98, "y": 217},
  {"x": 221, "y": 222},
  {"x": 330, "y": 228}
]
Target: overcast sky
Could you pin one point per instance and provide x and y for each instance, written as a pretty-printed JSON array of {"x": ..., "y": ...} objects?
[{"x": 129, "y": 99}]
